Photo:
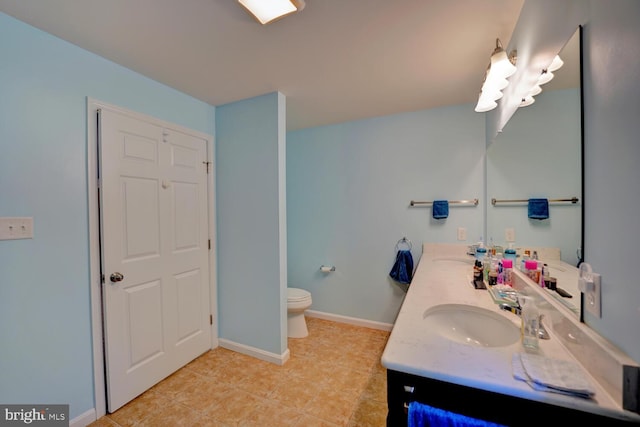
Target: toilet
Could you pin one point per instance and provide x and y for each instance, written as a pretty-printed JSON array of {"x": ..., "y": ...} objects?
[{"x": 298, "y": 300}]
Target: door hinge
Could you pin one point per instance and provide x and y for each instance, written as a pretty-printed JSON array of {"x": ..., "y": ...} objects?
[
  {"x": 211, "y": 319},
  {"x": 206, "y": 165},
  {"x": 102, "y": 279},
  {"x": 209, "y": 244}
]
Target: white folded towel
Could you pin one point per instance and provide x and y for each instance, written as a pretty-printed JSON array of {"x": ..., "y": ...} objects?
[{"x": 553, "y": 375}]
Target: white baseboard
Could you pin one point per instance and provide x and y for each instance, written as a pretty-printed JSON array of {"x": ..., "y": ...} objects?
[
  {"x": 349, "y": 320},
  {"x": 278, "y": 359},
  {"x": 83, "y": 419}
]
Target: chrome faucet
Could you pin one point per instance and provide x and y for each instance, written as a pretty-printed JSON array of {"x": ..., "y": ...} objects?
[{"x": 542, "y": 332}]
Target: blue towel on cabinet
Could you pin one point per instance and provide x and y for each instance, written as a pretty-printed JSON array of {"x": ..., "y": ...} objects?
[
  {"x": 440, "y": 209},
  {"x": 421, "y": 415},
  {"x": 402, "y": 270},
  {"x": 538, "y": 208}
]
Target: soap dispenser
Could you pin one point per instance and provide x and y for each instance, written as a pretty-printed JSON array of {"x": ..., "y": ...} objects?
[
  {"x": 510, "y": 253},
  {"x": 481, "y": 251}
]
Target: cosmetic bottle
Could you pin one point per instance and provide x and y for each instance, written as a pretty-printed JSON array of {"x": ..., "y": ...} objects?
[
  {"x": 481, "y": 252},
  {"x": 541, "y": 270},
  {"x": 546, "y": 275},
  {"x": 525, "y": 257},
  {"x": 531, "y": 268},
  {"x": 529, "y": 323},
  {"x": 507, "y": 265},
  {"x": 510, "y": 253},
  {"x": 478, "y": 282}
]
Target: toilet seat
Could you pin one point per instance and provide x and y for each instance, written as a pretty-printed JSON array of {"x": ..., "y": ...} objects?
[{"x": 297, "y": 295}]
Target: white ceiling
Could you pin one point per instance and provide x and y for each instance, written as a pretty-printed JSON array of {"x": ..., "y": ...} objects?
[{"x": 335, "y": 61}]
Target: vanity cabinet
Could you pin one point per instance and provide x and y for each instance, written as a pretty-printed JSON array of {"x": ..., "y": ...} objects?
[
  {"x": 403, "y": 388},
  {"x": 427, "y": 364}
]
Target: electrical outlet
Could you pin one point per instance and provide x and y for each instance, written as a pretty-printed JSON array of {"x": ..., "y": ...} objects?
[
  {"x": 12, "y": 228},
  {"x": 462, "y": 233},
  {"x": 510, "y": 234},
  {"x": 592, "y": 300}
]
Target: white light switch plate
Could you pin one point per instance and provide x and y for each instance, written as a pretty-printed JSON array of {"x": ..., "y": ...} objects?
[
  {"x": 12, "y": 228},
  {"x": 510, "y": 235},
  {"x": 462, "y": 234},
  {"x": 592, "y": 301}
]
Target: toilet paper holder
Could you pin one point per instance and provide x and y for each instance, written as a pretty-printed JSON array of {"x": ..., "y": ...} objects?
[{"x": 327, "y": 269}]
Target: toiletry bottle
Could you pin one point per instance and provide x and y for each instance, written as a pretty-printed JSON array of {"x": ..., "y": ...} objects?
[
  {"x": 541, "y": 275},
  {"x": 507, "y": 264},
  {"x": 529, "y": 323},
  {"x": 493, "y": 278},
  {"x": 546, "y": 275},
  {"x": 531, "y": 269},
  {"x": 477, "y": 275},
  {"x": 510, "y": 253},
  {"x": 481, "y": 252},
  {"x": 492, "y": 248},
  {"x": 525, "y": 258},
  {"x": 486, "y": 266}
]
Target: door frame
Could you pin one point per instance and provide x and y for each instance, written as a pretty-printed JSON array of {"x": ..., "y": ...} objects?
[{"x": 99, "y": 377}]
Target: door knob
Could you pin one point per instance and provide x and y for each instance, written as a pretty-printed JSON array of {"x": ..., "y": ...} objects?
[{"x": 116, "y": 277}]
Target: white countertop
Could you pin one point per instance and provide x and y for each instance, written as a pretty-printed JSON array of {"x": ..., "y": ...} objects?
[{"x": 443, "y": 277}]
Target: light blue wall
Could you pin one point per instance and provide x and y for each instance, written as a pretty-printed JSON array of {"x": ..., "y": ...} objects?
[
  {"x": 45, "y": 356},
  {"x": 348, "y": 187},
  {"x": 612, "y": 172},
  {"x": 348, "y": 192},
  {"x": 538, "y": 155},
  {"x": 250, "y": 150}
]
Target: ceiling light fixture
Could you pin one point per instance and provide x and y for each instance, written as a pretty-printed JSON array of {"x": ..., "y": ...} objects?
[
  {"x": 266, "y": 11},
  {"x": 500, "y": 68}
]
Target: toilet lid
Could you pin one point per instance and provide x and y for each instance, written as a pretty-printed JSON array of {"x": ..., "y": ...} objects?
[{"x": 296, "y": 294}]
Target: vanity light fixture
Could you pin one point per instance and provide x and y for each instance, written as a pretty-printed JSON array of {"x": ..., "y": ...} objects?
[
  {"x": 536, "y": 90},
  {"x": 555, "y": 64},
  {"x": 266, "y": 11},
  {"x": 527, "y": 100},
  {"x": 545, "y": 77},
  {"x": 500, "y": 68}
]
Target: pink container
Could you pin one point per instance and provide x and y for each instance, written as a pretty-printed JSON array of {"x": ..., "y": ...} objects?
[
  {"x": 507, "y": 263},
  {"x": 531, "y": 264}
]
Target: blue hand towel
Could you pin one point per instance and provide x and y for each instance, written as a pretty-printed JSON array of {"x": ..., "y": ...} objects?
[
  {"x": 538, "y": 208},
  {"x": 402, "y": 270},
  {"x": 440, "y": 209},
  {"x": 421, "y": 415}
]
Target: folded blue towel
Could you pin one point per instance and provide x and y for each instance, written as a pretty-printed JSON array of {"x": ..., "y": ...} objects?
[
  {"x": 440, "y": 209},
  {"x": 538, "y": 208},
  {"x": 421, "y": 415},
  {"x": 402, "y": 270}
]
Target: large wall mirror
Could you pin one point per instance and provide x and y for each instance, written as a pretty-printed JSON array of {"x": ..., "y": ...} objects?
[{"x": 538, "y": 154}]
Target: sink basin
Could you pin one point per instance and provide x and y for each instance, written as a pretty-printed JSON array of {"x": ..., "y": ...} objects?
[{"x": 471, "y": 325}]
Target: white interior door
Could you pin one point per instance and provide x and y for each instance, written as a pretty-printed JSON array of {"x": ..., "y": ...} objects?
[{"x": 154, "y": 239}]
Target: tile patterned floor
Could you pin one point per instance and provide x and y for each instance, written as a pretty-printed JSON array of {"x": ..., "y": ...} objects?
[{"x": 333, "y": 378}]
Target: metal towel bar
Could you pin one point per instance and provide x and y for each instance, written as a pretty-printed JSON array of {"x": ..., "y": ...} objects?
[
  {"x": 451, "y": 202},
  {"x": 494, "y": 201}
]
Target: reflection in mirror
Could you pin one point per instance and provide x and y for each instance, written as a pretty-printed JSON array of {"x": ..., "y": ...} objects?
[{"x": 538, "y": 155}]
